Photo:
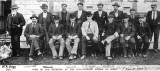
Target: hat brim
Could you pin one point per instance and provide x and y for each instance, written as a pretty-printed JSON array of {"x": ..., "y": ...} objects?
[
  {"x": 33, "y": 17},
  {"x": 116, "y": 5},
  {"x": 14, "y": 8},
  {"x": 46, "y": 7}
]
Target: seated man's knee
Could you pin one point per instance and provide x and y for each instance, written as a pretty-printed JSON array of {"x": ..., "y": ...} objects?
[
  {"x": 132, "y": 40},
  {"x": 62, "y": 41},
  {"x": 76, "y": 40}
]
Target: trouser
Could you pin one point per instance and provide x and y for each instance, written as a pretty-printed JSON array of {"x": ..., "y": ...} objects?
[
  {"x": 15, "y": 42},
  {"x": 46, "y": 40},
  {"x": 34, "y": 45},
  {"x": 127, "y": 45},
  {"x": 85, "y": 42},
  {"x": 145, "y": 42},
  {"x": 155, "y": 30},
  {"x": 53, "y": 49},
  {"x": 108, "y": 45},
  {"x": 75, "y": 46}
]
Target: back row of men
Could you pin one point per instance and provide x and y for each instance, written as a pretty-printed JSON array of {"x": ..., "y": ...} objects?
[{"x": 81, "y": 27}]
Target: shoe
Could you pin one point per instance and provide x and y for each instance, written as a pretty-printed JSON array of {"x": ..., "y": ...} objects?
[
  {"x": 129, "y": 56},
  {"x": 109, "y": 58},
  {"x": 145, "y": 55},
  {"x": 83, "y": 57},
  {"x": 61, "y": 58},
  {"x": 140, "y": 55},
  {"x": 54, "y": 57},
  {"x": 155, "y": 50},
  {"x": 125, "y": 56},
  {"x": 92, "y": 55},
  {"x": 30, "y": 59},
  {"x": 17, "y": 55},
  {"x": 74, "y": 56},
  {"x": 71, "y": 57},
  {"x": 39, "y": 53}
]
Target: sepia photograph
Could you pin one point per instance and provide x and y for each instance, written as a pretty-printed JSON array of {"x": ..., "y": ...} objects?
[{"x": 80, "y": 32}]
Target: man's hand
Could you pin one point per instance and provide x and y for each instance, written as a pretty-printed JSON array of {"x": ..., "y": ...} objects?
[
  {"x": 18, "y": 25},
  {"x": 128, "y": 37},
  {"x": 138, "y": 37},
  {"x": 116, "y": 34},
  {"x": 95, "y": 38},
  {"x": 122, "y": 35},
  {"x": 87, "y": 37},
  {"x": 74, "y": 37},
  {"x": 7, "y": 33},
  {"x": 54, "y": 37},
  {"x": 70, "y": 37}
]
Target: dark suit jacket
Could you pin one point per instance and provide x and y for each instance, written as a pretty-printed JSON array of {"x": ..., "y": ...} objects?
[
  {"x": 100, "y": 20},
  {"x": 72, "y": 30},
  {"x": 134, "y": 20},
  {"x": 67, "y": 16},
  {"x": 82, "y": 18},
  {"x": 29, "y": 30},
  {"x": 14, "y": 22},
  {"x": 143, "y": 31},
  {"x": 152, "y": 22},
  {"x": 120, "y": 16},
  {"x": 48, "y": 21},
  {"x": 56, "y": 31},
  {"x": 129, "y": 31}
]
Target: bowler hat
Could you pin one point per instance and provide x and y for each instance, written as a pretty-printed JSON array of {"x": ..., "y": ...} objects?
[
  {"x": 56, "y": 17},
  {"x": 14, "y": 6},
  {"x": 125, "y": 15},
  {"x": 100, "y": 4},
  {"x": 153, "y": 5},
  {"x": 89, "y": 13},
  {"x": 132, "y": 9},
  {"x": 63, "y": 4},
  {"x": 141, "y": 15},
  {"x": 33, "y": 16},
  {"x": 116, "y": 4},
  {"x": 72, "y": 16},
  {"x": 110, "y": 16},
  {"x": 44, "y": 6}
]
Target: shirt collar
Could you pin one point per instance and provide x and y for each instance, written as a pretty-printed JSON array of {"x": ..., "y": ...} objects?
[{"x": 15, "y": 13}]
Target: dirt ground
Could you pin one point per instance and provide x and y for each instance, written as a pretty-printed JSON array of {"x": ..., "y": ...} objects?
[{"x": 153, "y": 59}]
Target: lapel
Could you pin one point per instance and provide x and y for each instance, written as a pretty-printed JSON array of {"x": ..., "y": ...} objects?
[
  {"x": 30, "y": 28},
  {"x": 119, "y": 13},
  {"x": 76, "y": 13},
  {"x": 113, "y": 13},
  {"x": 102, "y": 14},
  {"x": 67, "y": 17}
]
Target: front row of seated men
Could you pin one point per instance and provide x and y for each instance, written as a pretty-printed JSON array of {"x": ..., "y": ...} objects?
[{"x": 124, "y": 32}]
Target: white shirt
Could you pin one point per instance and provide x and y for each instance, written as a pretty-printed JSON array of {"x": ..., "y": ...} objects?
[
  {"x": 155, "y": 16},
  {"x": 79, "y": 13},
  {"x": 33, "y": 24},
  {"x": 116, "y": 14},
  {"x": 100, "y": 13},
  {"x": 44, "y": 15},
  {"x": 14, "y": 13},
  {"x": 56, "y": 25}
]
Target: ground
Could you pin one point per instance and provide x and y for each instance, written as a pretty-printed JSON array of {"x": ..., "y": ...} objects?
[{"x": 153, "y": 59}]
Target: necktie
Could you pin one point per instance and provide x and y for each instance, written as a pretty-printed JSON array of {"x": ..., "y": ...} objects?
[
  {"x": 89, "y": 25},
  {"x": 72, "y": 24},
  {"x": 34, "y": 28}
]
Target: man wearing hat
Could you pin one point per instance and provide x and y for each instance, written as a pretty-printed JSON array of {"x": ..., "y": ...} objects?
[
  {"x": 64, "y": 15},
  {"x": 133, "y": 18},
  {"x": 111, "y": 30},
  {"x": 72, "y": 35},
  {"x": 153, "y": 18},
  {"x": 118, "y": 15},
  {"x": 56, "y": 32},
  {"x": 45, "y": 19},
  {"x": 15, "y": 22},
  {"x": 100, "y": 17},
  {"x": 33, "y": 32},
  {"x": 127, "y": 31},
  {"x": 90, "y": 31},
  {"x": 143, "y": 36}
]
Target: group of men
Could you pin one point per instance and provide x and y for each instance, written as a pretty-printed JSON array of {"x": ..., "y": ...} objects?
[{"x": 83, "y": 28}]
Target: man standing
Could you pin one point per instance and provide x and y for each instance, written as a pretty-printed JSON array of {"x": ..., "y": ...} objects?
[
  {"x": 64, "y": 15},
  {"x": 56, "y": 32},
  {"x": 16, "y": 22},
  {"x": 111, "y": 33},
  {"x": 33, "y": 33},
  {"x": 143, "y": 36},
  {"x": 100, "y": 17},
  {"x": 153, "y": 18},
  {"x": 133, "y": 18},
  {"x": 90, "y": 31},
  {"x": 45, "y": 19},
  {"x": 72, "y": 35},
  {"x": 118, "y": 15},
  {"x": 126, "y": 36}
]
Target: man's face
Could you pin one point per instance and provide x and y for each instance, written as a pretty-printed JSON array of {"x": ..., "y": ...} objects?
[
  {"x": 132, "y": 12},
  {"x": 80, "y": 7},
  {"x": 45, "y": 9},
  {"x": 72, "y": 20},
  {"x": 14, "y": 10},
  {"x": 126, "y": 20},
  {"x": 154, "y": 8},
  {"x": 89, "y": 17},
  {"x": 34, "y": 20},
  {"x": 141, "y": 19},
  {"x": 56, "y": 21},
  {"x": 100, "y": 8},
  {"x": 64, "y": 7},
  {"x": 110, "y": 20},
  {"x": 115, "y": 7}
]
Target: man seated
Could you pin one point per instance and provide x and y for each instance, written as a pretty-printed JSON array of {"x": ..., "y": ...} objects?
[
  {"x": 143, "y": 35},
  {"x": 72, "y": 35},
  {"x": 126, "y": 36},
  {"x": 111, "y": 30},
  {"x": 56, "y": 32},
  {"x": 33, "y": 32},
  {"x": 90, "y": 32}
]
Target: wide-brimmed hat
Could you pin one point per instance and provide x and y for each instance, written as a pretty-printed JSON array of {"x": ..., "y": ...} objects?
[
  {"x": 110, "y": 16},
  {"x": 89, "y": 13},
  {"x": 14, "y": 6},
  {"x": 44, "y": 6},
  {"x": 72, "y": 15},
  {"x": 125, "y": 15},
  {"x": 153, "y": 5},
  {"x": 116, "y": 4},
  {"x": 56, "y": 17},
  {"x": 100, "y": 4},
  {"x": 33, "y": 16}
]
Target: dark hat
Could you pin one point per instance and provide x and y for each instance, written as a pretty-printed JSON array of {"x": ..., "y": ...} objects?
[
  {"x": 33, "y": 16},
  {"x": 44, "y": 6},
  {"x": 116, "y": 4},
  {"x": 72, "y": 15},
  {"x": 141, "y": 15},
  {"x": 14, "y": 6},
  {"x": 100, "y": 4},
  {"x": 132, "y": 9},
  {"x": 63, "y": 4},
  {"x": 56, "y": 17},
  {"x": 125, "y": 15},
  {"x": 153, "y": 5},
  {"x": 89, "y": 13},
  {"x": 80, "y": 4},
  {"x": 110, "y": 16}
]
